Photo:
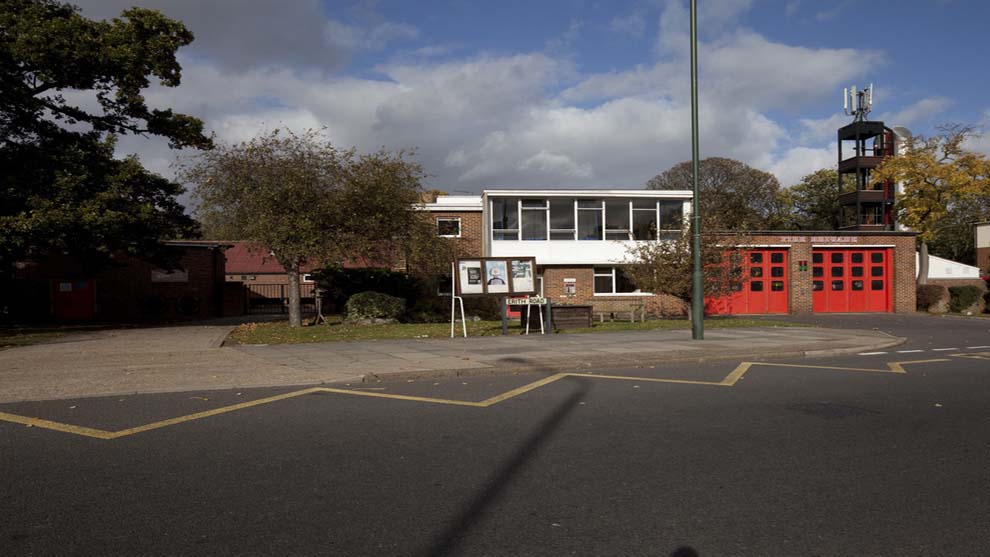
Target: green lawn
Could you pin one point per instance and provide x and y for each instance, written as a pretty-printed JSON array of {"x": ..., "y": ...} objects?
[{"x": 280, "y": 333}]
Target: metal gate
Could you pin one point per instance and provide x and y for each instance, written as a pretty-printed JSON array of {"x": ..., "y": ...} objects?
[
  {"x": 267, "y": 299},
  {"x": 764, "y": 288},
  {"x": 851, "y": 280}
]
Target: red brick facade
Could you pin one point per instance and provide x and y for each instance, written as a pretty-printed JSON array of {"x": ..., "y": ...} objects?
[
  {"x": 983, "y": 260},
  {"x": 471, "y": 241}
]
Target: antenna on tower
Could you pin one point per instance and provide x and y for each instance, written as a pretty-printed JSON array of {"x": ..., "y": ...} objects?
[{"x": 857, "y": 102}]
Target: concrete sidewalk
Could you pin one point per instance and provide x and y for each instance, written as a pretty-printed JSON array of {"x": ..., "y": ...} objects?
[{"x": 190, "y": 358}]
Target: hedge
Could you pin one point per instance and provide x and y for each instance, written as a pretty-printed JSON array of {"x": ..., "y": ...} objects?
[{"x": 961, "y": 298}]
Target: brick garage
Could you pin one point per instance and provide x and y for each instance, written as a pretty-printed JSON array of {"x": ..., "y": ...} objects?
[{"x": 129, "y": 290}]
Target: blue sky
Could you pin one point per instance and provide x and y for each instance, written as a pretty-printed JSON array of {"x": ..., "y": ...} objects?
[{"x": 571, "y": 94}]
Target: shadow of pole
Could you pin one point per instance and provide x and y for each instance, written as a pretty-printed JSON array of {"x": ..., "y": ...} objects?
[{"x": 447, "y": 542}]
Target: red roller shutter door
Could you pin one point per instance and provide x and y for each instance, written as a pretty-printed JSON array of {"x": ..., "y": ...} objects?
[
  {"x": 851, "y": 280},
  {"x": 764, "y": 290}
]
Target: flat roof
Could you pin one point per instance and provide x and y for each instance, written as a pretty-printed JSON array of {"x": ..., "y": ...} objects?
[{"x": 590, "y": 193}]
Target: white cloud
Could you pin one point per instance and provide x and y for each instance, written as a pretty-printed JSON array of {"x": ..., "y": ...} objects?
[
  {"x": 917, "y": 112},
  {"x": 633, "y": 24},
  {"x": 980, "y": 143},
  {"x": 798, "y": 162}
]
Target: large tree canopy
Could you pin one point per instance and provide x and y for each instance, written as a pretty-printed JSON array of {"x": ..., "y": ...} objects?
[
  {"x": 939, "y": 177},
  {"x": 814, "y": 202},
  {"x": 68, "y": 85},
  {"x": 302, "y": 198},
  {"x": 734, "y": 196}
]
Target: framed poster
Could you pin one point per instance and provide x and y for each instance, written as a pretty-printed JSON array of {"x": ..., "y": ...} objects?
[
  {"x": 469, "y": 277},
  {"x": 496, "y": 276},
  {"x": 522, "y": 275}
]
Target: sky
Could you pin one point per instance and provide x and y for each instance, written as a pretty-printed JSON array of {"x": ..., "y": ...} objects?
[{"x": 569, "y": 94}]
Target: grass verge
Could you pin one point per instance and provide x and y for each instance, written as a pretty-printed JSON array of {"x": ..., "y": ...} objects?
[{"x": 279, "y": 332}]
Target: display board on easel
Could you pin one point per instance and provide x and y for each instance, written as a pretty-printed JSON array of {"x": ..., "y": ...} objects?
[{"x": 495, "y": 276}]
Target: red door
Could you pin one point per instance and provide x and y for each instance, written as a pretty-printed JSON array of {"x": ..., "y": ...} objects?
[
  {"x": 764, "y": 290},
  {"x": 851, "y": 280},
  {"x": 73, "y": 300}
]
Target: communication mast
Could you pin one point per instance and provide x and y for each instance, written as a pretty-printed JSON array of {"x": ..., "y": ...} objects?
[{"x": 869, "y": 204}]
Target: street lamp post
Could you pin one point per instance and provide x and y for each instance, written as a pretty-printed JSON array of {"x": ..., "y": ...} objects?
[{"x": 697, "y": 285}]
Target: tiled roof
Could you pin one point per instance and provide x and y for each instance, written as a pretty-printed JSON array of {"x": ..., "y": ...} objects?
[{"x": 254, "y": 259}]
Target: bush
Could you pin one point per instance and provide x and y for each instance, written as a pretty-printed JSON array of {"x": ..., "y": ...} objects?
[
  {"x": 340, "y": 284},
  {"x": 962, "y": 298},
  {"x": 374, "y": 305},
  {"x": 930, "y": 295},
  {"x": 436, "y": 309}
]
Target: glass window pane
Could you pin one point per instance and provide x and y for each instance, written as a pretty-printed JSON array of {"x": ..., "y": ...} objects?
[
  {"x": 838, "y": 285},
  {"x": 644, "y": 225},
  {"x": 618, "y": 236},
  {"x": 776, "y": 271},
  {"x": 756, "y": 271},
  {"x": 622, "y": 282},
  {"x": 644, "y": 204},
  {"x": 616, "y": 215},
  {"x": 534, "y": 224},
  {"x": 756, "y": 286},
  {"x": 836, "y": 271},
  {"x": 876, "y": 257},
  {"x": 503, "y": 235},
  {"x": 756, "y": 257},
  {"x": 856, "y": 271},
  {"x": 589, "y": 203},
  {"x": 671, "y": 215},
  {"x": 505, "y": 213},
  {"x": 776, "y": 257},
  {"x": 817, "y": 285},
  {"x": 589, "y": 225},
  {"x": 876, "y": 271},
  {"x": 836, "y": 257},
  {"x": 857, "y": 285},
  {"x": 876, "y": 285},
  {"x": 818, "y": 271},
  {"x": 562, "y": 214},
  {"x": 448, "y": 227},
  {"x": 603, "y": 285},
  {"x": 856, "y": 257},
  {"x": 817, "y": 258},
  {"x": 777, "y": 286},
  {"x": 534, "y": 203}
]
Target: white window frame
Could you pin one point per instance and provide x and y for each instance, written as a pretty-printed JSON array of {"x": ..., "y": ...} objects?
[
  {"x": 449, "y": 219},
  {"x": 611, "y": 274},
  {"x": 546, "y": 215}
]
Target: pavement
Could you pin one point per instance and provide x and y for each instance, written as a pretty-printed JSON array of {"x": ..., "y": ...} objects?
[{"x": 192, "y": 357}]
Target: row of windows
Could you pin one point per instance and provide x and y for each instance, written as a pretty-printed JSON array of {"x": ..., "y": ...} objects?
[
  {"x": 839, "y": 257},
  {"x": 515, "y": 218}
]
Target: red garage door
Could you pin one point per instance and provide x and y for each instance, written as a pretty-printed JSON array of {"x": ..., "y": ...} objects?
[
  {"x": 764, "y": 289},
  {"x": 851, "y": 280}
]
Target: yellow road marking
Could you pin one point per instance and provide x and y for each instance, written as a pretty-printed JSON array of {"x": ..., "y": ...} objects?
[
  {"x": 974, "y": 355},
  {"x": 730, "y": 380}
]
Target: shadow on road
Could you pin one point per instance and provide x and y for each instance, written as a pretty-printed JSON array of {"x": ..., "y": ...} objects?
[{"x": 447, "y": 542}]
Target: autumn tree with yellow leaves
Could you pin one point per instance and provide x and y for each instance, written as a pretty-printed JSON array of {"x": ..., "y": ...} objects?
[{"x": 937, "y": 175}]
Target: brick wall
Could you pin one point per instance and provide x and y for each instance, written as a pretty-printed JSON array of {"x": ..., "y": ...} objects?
[
  {"x": 471, "y": 242},
  {"x": 584, "y": 276},
  {"x": 983, "y": 259}
]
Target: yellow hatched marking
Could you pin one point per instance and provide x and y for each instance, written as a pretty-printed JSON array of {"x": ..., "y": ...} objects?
[{"x": 730, "y": 380}]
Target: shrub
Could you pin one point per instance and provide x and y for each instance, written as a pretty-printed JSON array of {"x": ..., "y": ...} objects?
[
  {"x": 374, "y": 305},
  {"x": 961, "y": 298},
  {"x": 340, "y": 284},
  {"x": 930, "y": 295}
]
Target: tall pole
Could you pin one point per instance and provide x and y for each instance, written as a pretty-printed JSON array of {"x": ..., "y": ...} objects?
[{"x": 697, "y": 286}]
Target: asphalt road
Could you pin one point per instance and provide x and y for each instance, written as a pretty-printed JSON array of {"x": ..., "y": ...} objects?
[{"x": 784, "y": 460}]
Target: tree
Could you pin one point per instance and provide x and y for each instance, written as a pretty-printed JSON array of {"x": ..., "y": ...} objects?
[
  {"x": 734, "y": 196},
  {"x": 815, "y": 202},
  {"x": 62, "y": 189},
  {"x": 937, "y": 176},
  {"x": 666, "y": 266},
  {"x": 302, "y": 198},
  {"x": 955, "y": 238}
]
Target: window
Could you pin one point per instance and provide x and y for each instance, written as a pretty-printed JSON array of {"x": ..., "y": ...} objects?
[
  {"x": 856, "y": 257},
  {"x": 590, "y": 219},
  {"x": 644, "y": 219},
  {"x": 562, "y": 219},
  {"x": 856, "y": 271},
  {"x": 876, "y": 257},
  {"x": 611, "y": 280},
  {"x": 777, "y": 257},
  {"x": 817, "y": 285},
  {"x": 817, "y": 258},
  {"x": 818, "y": 271},
  {"x": 617, "y": 220},
  {"x": 876, "y": 285},
  {"x": 837, "y": 257},
  {"x": 756, "y": 257},
  {"x": 857, "y": 285},
  {"x": 876, "y": 271},
  {"x": 837, "y": 271},
  {"x": 776, "y": 272},
  {"x": 534, "y": 219},
  {"x": 445, "y": 285},
  {"x": 756, "y": 286},
  {"x": 777, "y": 286},
  {"x": 756, "y": 271},
  {"x": 671, "y": 219},
  {"x": 838, "y": 285},
  {"x": 449, "y": 227},
  {"x": 307, "y": 277},
  {"x": 505, "y": 218}
]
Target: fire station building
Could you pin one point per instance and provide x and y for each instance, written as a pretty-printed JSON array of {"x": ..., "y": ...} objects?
[{"x": 581, "y": 239}]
